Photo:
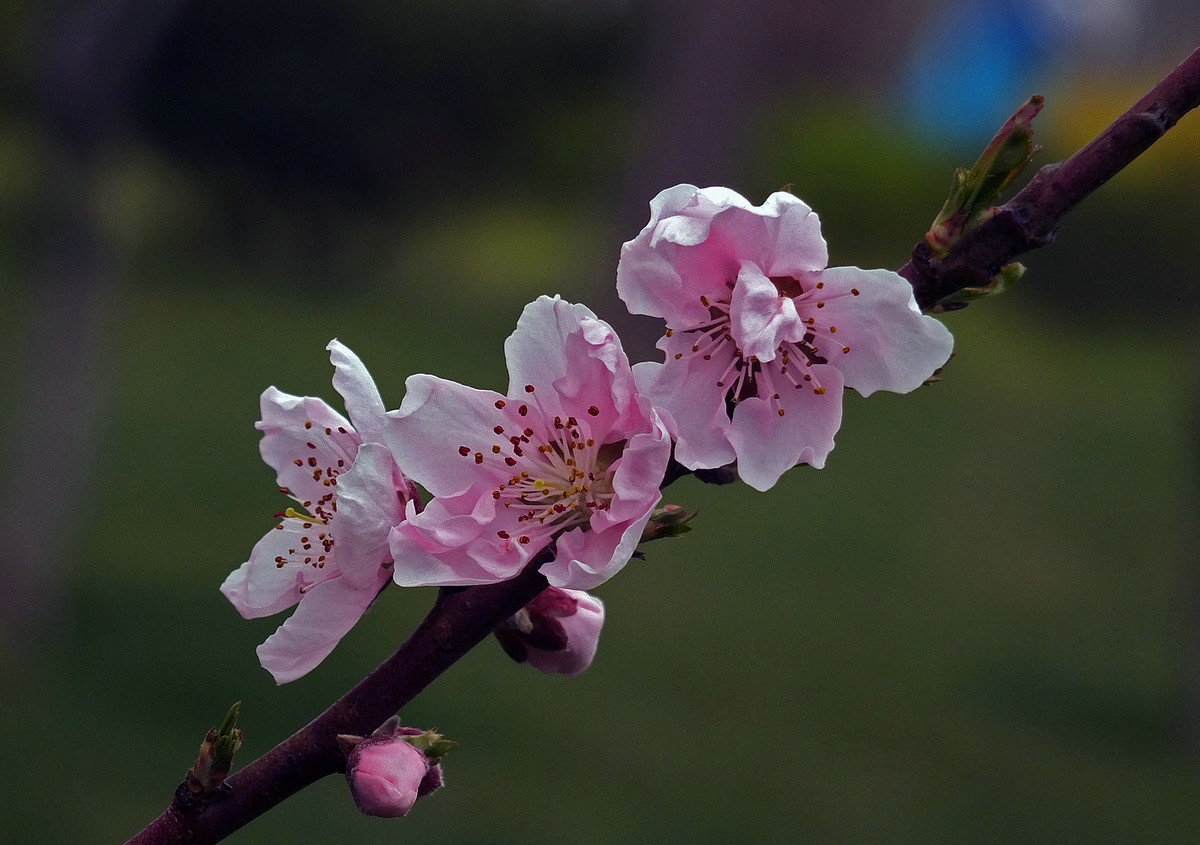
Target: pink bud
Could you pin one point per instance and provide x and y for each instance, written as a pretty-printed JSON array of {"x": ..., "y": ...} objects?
[
  {"x": 557, "y": 632},
  {"x": 385, "y": 774}
]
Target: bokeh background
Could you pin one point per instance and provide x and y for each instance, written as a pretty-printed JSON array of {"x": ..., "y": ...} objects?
[{"x": 979, "y": 623}]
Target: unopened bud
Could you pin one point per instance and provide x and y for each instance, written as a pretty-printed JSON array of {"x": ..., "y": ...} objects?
[
  {"x": 215, "y": 758},
  {"x": 389, "y": 770},
  {"x": 557, "y": 632},
  {"x": 974, "y": 190},
  {"x": 667, "y": 521}
]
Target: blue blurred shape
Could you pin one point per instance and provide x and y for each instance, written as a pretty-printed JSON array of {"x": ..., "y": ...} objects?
[{"x": 972, "y": 63}]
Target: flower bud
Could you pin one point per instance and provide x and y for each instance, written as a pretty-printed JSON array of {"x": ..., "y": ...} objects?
[
  {"x": 385, "y": 775},
  {"x": 557, "y": 632},
  {"x": 389, "y": 770}
]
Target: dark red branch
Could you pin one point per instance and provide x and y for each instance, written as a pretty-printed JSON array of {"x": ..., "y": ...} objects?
[
  {"x": 1030, "y": 219},
  {"x": 459, "y": 620}
]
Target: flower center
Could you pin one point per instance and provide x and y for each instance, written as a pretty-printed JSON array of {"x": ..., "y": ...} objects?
[
  {"x": 557, "y": 475},
  {"x": 312, "y": 541},
  {"x": 791, "y": 368}
]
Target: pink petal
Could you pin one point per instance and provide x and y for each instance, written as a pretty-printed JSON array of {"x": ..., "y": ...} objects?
[
  {"x": 436, "y": 421},
  {"x": 583, "y": 637},
  {"x": 649, "y": 278},
  {"x": 768, "y": 444},
  {"x": 892, "y": 345},
  {"x": 760, "y": 317},
  {"x": 325, "y": 614},
  {"x": 303, "y": 441},
  {"x": 261, "y": 588},
  {"x": 637, "y": 477},
  {"x": 363, "y": 402},
  {"x": 586, "y": 559},
  {"x": 794, "y": 236},
  {"x": 573, "y": 360},
  {"x": 689, "y": 389},
  {"x": 453, "y": 542},
  {"x": 368, "y": 508},
  {"x": 696, "y": 241}
]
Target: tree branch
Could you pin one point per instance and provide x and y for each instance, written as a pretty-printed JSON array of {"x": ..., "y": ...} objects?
[
  {"x": 1030, "y": 219},
  {"x": 459, "y": 620}
]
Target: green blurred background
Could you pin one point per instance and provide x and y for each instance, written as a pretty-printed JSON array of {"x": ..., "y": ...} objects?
[{"x": 980, "y": 623}]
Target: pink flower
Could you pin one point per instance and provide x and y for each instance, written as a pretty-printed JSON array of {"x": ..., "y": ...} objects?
[
  {"x": 387, "y": 774},
  {"x": 557, "y": 632},
  {"x": 573, "y": 452},
  {"x": 761, "y": 336},
  {"x": 332, "y": 557}
]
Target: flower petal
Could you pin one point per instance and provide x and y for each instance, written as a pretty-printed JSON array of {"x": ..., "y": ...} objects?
[
  {"x": 305, "y": 441},
  {"x": 696, "y": 241},
  {"x": 892, "y": 345},
  {"x": 260, "y": 587},
  {"x": 768, "y": 444},
  {"x": 368, "y": 508},
  {"x": 692, "y": 391},
  {"x": 573, "y": 360},
  {"x": 582, "y": 629},
  {"x": 327, "y": 612},
  {"x": 587, "y": 558},
  {"x": 363, "y": 402},
  {"x": 453, "y": 542},
  {"x": 760, "y": 318},
  {"x": 438, "y": 419}
]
